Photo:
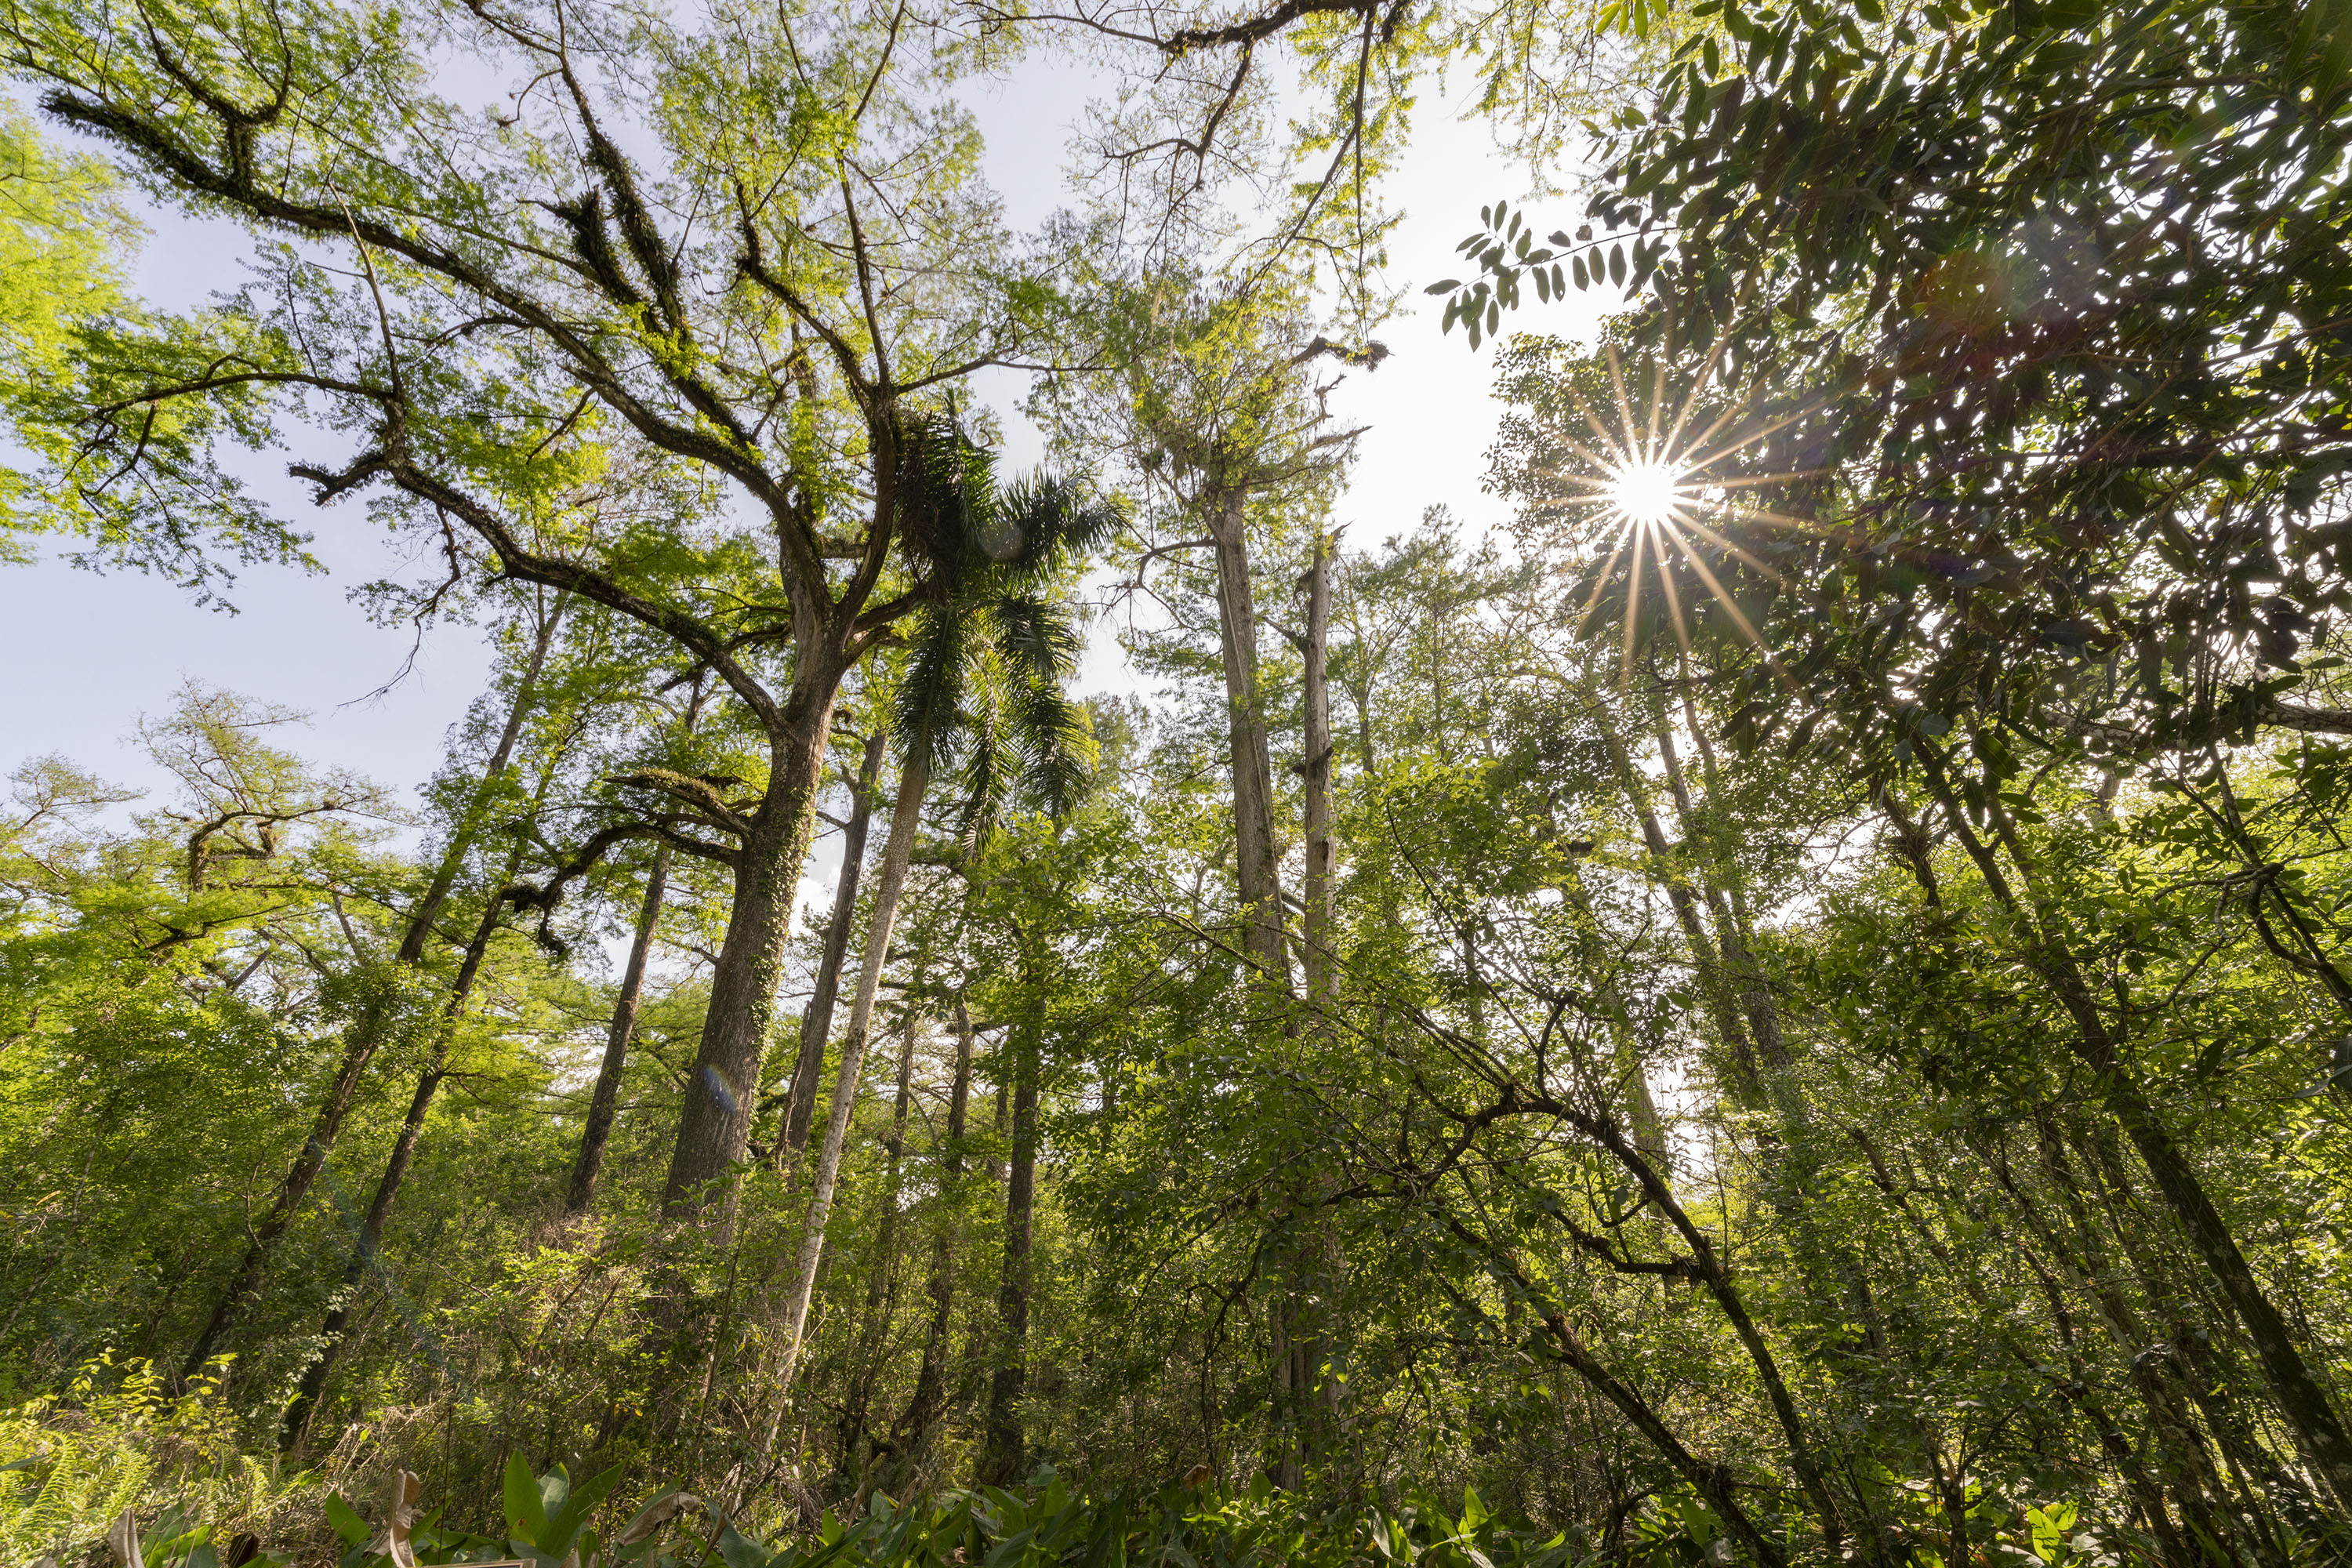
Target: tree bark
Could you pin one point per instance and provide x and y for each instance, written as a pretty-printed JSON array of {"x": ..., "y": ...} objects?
[
  {"x": 1002, "y": 1460},
  {"x": 2302, "y": 1400},
  {"x": 1711, "y": 1481},
  {"x": 817, "y": 1020},
  {"x": 882, "y": 1284},
  {"x": 1316, "y": 956},
  {"x": 599, "y": 1127},
  {"x": 714, "y": 1124},
  {"x": 373, "y": 1025},
  {"x": 1746, "y": 1082},
  {"x": 905, "y": 821},
  {"x": 1254, "y": 856},
  {"x": 931, "y": 1384}
]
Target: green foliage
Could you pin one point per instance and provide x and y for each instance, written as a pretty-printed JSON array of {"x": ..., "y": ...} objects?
[{"x": 114, "y": 1440}]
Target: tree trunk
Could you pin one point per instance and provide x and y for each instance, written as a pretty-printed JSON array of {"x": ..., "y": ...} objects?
[
  {"x": 931, "y": 1384},
  {"x": 396, "y": 1170},
  {"x": 882, "y": 1284},
  {"x": 1746, "y": 1083},
  {"x": 2301, "y": 1401},
  {"x": 600, "y": 1104},
  {"x": 1001, "y": 1461},
  {"x": 905, "y": 820},
  {"x": 374, "y": 1022},
  {"x": 1315, "y": 958},
  {"x": 816, "y": 1021},
  {"x": 714, "y": 1124},
  {"x": 1254, "y": 840},
  {"x": 1307, "y": 1397}
]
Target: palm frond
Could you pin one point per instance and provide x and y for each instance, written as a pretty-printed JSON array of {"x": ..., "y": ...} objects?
[
  {"x": 950, "y": 506},
  {"x": 992, "y": 767},
  {"x": 1057, "y": 743},
  {"x": 1038, "y": 636},
  {"x": 1048, "y": 520},
  {"x": 926, "y": 713}
]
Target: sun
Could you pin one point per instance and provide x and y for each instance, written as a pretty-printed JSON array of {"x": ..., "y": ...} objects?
[
  {"x": 1646, "y": 493},
  {"x": 1664, "y": 481}
]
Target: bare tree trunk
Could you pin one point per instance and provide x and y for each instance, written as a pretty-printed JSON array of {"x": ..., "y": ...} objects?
[
  {"x": 1002, "y": 1459},
  {"x": 374, "y": 1022},
  {"x": 1254, "y": 856},
  {"x": 1307, "y": 1395},
  {"x": 905, "y": 821},
  {"x": 369, "y": 1243},
  {"x": 1315, "y": 958},
  {"x": 931, "y": 1384},
  {"x": 600, "y": 1104},
  {"x": 882, "y": 1284},
  {"x": 816, "y": 1021}
]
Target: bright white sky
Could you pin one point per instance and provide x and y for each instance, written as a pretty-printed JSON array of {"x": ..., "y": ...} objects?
[{"x": 89, "y": 654}]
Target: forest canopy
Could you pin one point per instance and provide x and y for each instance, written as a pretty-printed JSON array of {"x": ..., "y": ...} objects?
[{"x": 1787, "y": 1004}]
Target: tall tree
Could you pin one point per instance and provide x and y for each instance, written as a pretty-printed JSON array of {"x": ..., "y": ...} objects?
[{"x": 773, "y": 347}]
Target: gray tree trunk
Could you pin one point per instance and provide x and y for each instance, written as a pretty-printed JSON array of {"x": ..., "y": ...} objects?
[
  {"x": 598, "y": 1129},
  {"x": 816, "y": 1021}
]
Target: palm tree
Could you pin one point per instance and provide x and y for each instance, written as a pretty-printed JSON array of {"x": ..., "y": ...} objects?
[{"x": 986, "y": 659}]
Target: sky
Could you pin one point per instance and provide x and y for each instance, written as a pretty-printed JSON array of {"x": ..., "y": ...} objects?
[{"x": 88, "y": 654}]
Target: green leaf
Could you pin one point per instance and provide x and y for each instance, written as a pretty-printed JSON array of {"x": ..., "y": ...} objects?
[
  {"x": 738, "y": 1550},
  {"x": 582, "y": 1501},
  {"x": 526, "y": 1513},
  {"x": 345, "y": 1521}
]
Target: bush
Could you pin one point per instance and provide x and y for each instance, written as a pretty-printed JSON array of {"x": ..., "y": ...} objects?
[{"x": 70, "y": 1463}]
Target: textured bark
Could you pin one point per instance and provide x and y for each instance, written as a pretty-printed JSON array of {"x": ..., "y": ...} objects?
[
  {"x": 931, "y": 1384},
  {"x": 598, "y": 1128},
  {"x": 715, "y": 1123},
  {"x": 1001, "y": 1461},
  {"x": 905, "y": 821},
  {"x": 375, "y": 1023},
  {"x": 1254, "y": 840},
  {"x": 817, "y": 1020},
  {"x": 1315, "y": 649}
]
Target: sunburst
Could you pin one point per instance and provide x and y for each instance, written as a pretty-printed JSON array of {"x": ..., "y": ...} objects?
[{"x": 1669, "y": 489}]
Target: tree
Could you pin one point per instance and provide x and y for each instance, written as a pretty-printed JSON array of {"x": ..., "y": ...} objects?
[
  {"x": 988, "y": 639},
  {"x": 777, "y": 352}
]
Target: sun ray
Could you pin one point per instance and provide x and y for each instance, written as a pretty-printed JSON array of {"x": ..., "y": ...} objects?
[
  {"x": 1798, "y": 524},
  {"x": 1739, "y": 618},
  {"x": 1674, "y": 599},
  {"x": 1634, "y": 600},
  {"x": 1728, "y": 548},
  {"x": 1594, "y": 601},
  {"x": 1621, "y": 455},
  {"x": 1667, "y": 496},
  {"x": 1658, "y": 394},
  {"x": 1777, "y": 425},
  {"x": 1617, "y": 382},
  {"x": 1698, "y": 387},
  {"x": 1750, "y": 482}
]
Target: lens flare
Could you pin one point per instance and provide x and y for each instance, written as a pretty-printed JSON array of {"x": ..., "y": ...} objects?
[
  {"x": 1646, "y": 493},
  {"x": 1665, "y": 477}
]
